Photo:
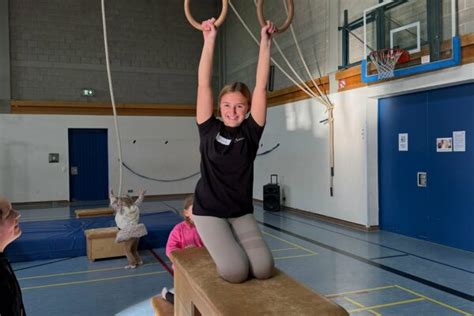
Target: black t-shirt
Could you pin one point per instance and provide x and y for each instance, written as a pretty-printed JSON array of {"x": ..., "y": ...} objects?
[
  {"x": 227, "y": 154},
  {"x": 11, "y": 302}
]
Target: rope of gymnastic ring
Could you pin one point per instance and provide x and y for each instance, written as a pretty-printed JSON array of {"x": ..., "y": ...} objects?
[
  {"x": 285, "y": 25},
  {"x": 197, "y": 25},
  {"x": 112, "y": 98}
]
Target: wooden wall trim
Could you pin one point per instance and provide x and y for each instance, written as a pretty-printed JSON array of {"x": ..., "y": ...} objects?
[
  {"x": 467, "y": 44},
  {"x": 467, "y": 40},
  {"x": 282, "y": 96},
  {"x": 100, "y": 108},
  {"x": 293, "y": 93}
]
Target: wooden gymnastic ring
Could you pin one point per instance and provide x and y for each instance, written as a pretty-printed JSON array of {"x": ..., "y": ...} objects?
[
  {"x": 289, "y": 18},
  {"x": 219, "y": 21}
]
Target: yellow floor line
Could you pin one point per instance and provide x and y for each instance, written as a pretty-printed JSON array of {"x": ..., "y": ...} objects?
[
  {"x": 77, "y": 272},
  {"x": 291, "y": 257},
  {"x": 283, "y": 249},
  {"x": 361, "y": 305},
  {"x": 414, "y": 300},
  {"x": 290, "y": 243},
  {"x": 92, "y": 281},
  {"x": 361, "y": 291},
  {"x": 434, "y": 301}
]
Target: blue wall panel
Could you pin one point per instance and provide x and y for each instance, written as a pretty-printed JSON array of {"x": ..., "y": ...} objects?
[
  {"x": 443, "y": 211},
  {"x": 451, "y": 188}
]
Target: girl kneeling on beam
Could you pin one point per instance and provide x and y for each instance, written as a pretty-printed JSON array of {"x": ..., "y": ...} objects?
[{"x": 223, "y": 209}]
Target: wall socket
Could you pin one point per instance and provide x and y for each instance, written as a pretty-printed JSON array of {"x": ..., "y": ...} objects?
[{"x": 130, "y": 191}]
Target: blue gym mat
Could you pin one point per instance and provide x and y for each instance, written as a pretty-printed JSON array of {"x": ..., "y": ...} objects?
[{"x": 65, "y": 238}]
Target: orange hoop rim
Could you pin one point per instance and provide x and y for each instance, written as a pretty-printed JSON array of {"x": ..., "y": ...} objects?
[
  {"x": 285, "y": 25},
  {"x": 404, "y": 55},
  {"x": 193, "y": 22}
]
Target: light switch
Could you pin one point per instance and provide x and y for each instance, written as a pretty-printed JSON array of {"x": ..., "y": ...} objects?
[{"x": 53, "y": 158}]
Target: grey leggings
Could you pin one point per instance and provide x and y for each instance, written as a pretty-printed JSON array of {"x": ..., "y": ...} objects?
[{"x": 236, "y": 246}]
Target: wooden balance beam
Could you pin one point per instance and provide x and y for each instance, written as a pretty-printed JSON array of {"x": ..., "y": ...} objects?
[
  {"x": 200, "y": 291},
  {"x": 102, "y": 211}
]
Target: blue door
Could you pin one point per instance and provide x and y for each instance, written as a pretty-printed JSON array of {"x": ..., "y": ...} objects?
[
  {"x": 400, "y": 197},
  {"x": 88, "y": 164},
  {"x": 443, "y": 211},
  {"x": 452, "y": 189}
]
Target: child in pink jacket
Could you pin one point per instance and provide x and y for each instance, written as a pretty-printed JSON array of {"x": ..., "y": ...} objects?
[{"x": 183, "y": 235}]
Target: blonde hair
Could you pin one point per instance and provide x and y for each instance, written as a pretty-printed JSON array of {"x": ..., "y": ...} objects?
[
  {"x": 236, "y": 87},
  {"x": 127, "y": 201}
]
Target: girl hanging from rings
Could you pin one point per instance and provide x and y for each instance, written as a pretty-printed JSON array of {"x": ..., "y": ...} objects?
[{"x": 223, "y": 209}]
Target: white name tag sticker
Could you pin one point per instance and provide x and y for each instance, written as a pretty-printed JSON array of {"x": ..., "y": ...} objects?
[{"x": 223, "y": 140}]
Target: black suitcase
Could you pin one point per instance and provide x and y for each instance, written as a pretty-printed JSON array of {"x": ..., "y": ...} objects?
[{"x": 271, "y": 195}]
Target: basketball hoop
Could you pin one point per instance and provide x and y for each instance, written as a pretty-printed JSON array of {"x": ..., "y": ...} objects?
[{"x": 386, "y": 59}]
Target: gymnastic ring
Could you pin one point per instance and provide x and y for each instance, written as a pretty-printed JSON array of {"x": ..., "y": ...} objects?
[
  {"x": 289, "y": 18},
  {"x": 219, "y": 21}
]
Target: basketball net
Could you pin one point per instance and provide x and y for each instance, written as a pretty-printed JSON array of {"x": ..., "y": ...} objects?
[{"x": 385, "y": 61}]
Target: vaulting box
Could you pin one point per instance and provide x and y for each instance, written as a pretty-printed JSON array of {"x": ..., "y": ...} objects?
[
  {"x": 200, "y": 291},
  {"x": 101, "y": 243}
]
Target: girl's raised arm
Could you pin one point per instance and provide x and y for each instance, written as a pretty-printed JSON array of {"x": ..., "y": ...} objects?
[
  {"x": 259, "y": 98},
  {"x": 205, "y": 103}
]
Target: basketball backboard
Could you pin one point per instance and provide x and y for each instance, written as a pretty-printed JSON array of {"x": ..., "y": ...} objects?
[{"x": 427, "y": 30}]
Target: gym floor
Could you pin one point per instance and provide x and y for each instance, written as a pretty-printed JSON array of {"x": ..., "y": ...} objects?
[{"x": 368, "y": 273}]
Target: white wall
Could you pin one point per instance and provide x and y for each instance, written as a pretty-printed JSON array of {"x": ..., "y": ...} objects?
[
  {"x": 302, "y": 160},
  {"x": 26, "y": 140}
]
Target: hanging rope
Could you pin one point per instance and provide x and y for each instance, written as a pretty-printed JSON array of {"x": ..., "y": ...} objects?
[
  {"x": 187, "y": 177},
  {"x": 309, "y": 93},
  {"x": 326, "y": 101},
  {"x": 112, "y": 98},
  {"x": 158, "y": 180},
  {"x": 303, "y": 86},
  {"x": 329, "y": 109},
  {"x": 269, "y": 151},
  {"x": 321, "y": 96},
  {"x": 289, "y": 12},
  {"x": 307, "y": 88}
]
